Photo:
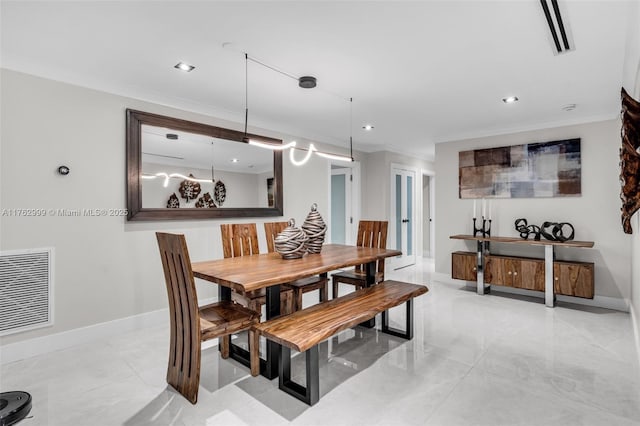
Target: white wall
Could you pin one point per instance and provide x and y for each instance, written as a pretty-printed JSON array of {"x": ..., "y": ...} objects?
[
  {"x": 595, "y": 215},
  {"x": 105, "y": 268}
]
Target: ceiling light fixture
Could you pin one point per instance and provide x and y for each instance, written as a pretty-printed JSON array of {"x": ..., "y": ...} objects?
[
  {"x": 367, "y": 127},
  {"x": 183, "y": 66},
  {"x": 569, "y": 107},
  {"x": 510, "y": 99},
  {"x": 172, "y": 175},
  {"x": 306, "y": 82}
]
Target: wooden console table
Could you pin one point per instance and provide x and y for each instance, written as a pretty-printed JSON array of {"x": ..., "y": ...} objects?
[{"x": 533, "y": 267}]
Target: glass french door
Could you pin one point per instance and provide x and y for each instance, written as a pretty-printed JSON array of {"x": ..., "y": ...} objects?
[{"x": 403, "y": 190}]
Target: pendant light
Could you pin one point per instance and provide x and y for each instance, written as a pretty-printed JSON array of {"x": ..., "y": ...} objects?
[{"x": 305, "y": 82}]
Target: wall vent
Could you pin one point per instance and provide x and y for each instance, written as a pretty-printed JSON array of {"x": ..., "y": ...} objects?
[
  {"x": 26, "y": 290},
  {"x": 559, "y": 28}
]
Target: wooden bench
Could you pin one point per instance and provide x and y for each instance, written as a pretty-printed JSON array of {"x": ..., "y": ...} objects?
[{"x": 304, "y": 329}]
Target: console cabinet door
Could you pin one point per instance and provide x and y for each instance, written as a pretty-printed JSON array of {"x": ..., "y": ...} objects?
[
  {"x": 463, "y": 266},
  {"x": 573, "y": 279},
  {"x": 531, "y": 274},
  {"x": 503, "y": 271}
]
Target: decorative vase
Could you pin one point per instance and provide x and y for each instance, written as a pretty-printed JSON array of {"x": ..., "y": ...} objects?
[
  {"x": 315, "y": 229},
  {"x": 291, "y": 242}
]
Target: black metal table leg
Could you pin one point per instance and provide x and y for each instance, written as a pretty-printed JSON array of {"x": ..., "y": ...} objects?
[
  {"x": 269, "y": 368},
  {"x": 408, "y": 333},
  {"x": 309, "y": 394},
  {"x": 369, "y": 281}
]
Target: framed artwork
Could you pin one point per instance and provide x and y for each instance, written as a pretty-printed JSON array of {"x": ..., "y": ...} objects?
[
  {"x": 548, "y": 169},
  {"x": 270, "y": 192}
]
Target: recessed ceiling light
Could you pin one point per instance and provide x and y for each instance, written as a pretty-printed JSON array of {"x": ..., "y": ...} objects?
[
  {"x": 235, "y": 160},
  {"x": 367, "y": 127},
  {"x": 510, "y": 99},
  {"x": 184, "y": 66}
]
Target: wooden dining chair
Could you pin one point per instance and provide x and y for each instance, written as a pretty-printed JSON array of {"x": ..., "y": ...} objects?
[
  {"x": 241, "y": 239},
  {"x": 371, "y": 233},
  {"x": 301, "y": 286},
  {"x": 190, "y": 324}
]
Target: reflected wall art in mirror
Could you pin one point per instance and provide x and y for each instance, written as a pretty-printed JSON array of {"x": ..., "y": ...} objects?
[{"x": 178, "y": 169}]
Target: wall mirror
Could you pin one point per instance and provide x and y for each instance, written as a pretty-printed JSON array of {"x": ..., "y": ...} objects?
[{"x": 178, "y": 169}]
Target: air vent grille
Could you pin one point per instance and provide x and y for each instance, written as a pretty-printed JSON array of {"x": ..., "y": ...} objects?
[
  {"x": 25, "y": 290},
  {"x": 559, "y": 28}
]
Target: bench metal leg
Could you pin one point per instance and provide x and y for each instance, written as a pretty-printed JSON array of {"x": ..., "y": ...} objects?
[
  {"x": 309, "y": 394},
  {"x": 408, "y": 334}
]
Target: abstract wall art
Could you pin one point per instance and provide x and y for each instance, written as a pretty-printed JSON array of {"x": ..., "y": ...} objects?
[
  {"x": 630, "y": 160},
  {"x": 535, "y": 170}
]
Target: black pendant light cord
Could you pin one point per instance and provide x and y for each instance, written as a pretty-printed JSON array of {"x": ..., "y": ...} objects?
[
  {"x": 246, "y": 95},
  {"x": 351, "y": 128}
]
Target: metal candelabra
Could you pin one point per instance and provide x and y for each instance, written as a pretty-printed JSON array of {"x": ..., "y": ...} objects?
[{"x": 485, "y": 231}]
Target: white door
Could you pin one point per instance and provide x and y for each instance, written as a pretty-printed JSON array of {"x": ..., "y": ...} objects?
[{"x": 402, "y": 223}]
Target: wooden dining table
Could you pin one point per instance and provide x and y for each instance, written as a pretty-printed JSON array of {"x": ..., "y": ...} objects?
[{"x": 268, "y": 271}]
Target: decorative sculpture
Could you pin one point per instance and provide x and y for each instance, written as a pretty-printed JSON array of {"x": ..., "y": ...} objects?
[
  {"x": 205, "y": 202},
  {"x": 291, "y": 243},
  {"x": 552, "y": 231},
  {"x": 315, "y": 229},
  {"x": 219, "y": 193},
  {"x": 173, "y": 202},
  {"x": 629, "y": 159},
  {"x": 189, "y": 189},
  {"x": 485, "y": 231}
]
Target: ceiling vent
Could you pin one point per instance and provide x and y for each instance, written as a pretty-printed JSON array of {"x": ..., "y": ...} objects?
[{"x": 560, "y": 32}]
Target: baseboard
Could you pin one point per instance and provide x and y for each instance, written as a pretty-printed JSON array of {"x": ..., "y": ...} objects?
[
  {"x": 615, "y": 303},
  {"x": 54, "y": 342},
  {"x": 636, "y": 330}
]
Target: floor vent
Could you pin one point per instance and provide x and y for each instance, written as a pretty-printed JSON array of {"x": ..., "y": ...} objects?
[
  {"x": 26, "y": 290},
  {"x": 560, "y": 34}
]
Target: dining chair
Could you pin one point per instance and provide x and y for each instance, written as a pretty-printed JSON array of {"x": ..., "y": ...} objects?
[
  {"x": 241, "y": 239},
  {"x": 301, "y": 286},
  {"x": 191, "y": 324},
  {"x": 371, "y": 233}
]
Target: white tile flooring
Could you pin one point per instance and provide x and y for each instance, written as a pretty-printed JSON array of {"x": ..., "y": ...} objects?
[{"x": 474, "y": 360}]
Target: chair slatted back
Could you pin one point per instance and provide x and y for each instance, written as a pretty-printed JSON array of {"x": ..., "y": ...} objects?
[
  {"x": 240, "y": 239},
  {"x": 184, "y": 359},
  {"x": 271, "y": 231},
  {"x": 372, "y": 233}
]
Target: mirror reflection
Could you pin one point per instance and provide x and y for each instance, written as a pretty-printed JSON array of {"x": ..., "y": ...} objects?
[{"x": 181, "y": 169}]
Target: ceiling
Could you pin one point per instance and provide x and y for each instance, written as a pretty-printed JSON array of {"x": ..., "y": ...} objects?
[{"x": 421, "y": 72}]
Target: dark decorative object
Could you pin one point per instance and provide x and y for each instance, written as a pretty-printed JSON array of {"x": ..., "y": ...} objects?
[
  {"x": 552, "y": 231},
  {"x": 173, "y": 202},
  {"x": 548, "y": 169},
  {"x": 189, "y": 189},
  {"x": 205, "y": 202},
  {"x": 485, "y": 231},
  {"x": 315, "y": 229},
  {"x": 291, "y": 242},
  {"x": 219, "y": 193},
  {"x": 270, "y": 192},
  {"x": 525, "y": 230},
  {"x": 64, "y": 170},
  {"x": 630, "y": 160},
  {"x": 14, "y": 406}
]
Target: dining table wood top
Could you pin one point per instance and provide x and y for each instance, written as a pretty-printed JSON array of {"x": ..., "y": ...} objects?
[{"x": 248, "y": 273}]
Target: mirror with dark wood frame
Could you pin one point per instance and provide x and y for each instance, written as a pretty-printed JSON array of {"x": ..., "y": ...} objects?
[{"x": 179, "y": 169}]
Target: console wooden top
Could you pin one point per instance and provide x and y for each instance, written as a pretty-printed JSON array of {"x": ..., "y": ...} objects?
[{"x": 516, "y": 240}]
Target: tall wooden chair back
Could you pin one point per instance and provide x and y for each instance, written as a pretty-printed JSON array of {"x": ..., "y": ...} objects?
[
  {"x": 372, "y": 233},
  {"x": 271, "y": 231},
  {"x": 191, "y": 324},
  {"x": 239, "y": 239}
]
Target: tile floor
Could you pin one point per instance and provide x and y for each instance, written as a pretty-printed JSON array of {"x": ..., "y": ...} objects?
[{"x": 492, "y": 360}]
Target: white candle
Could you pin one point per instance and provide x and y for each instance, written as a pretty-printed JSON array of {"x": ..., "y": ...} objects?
[
  {"x": 489, "y": 209},
  {"x": 474, "y": 209},
  {"x": 484, "y": 208}
]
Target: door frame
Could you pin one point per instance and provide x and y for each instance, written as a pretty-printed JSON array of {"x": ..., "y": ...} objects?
[
  {"x": 354, "y": 203},
  {"x": 417, "y": 200},
  {"x": 432, "y": 211}
]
